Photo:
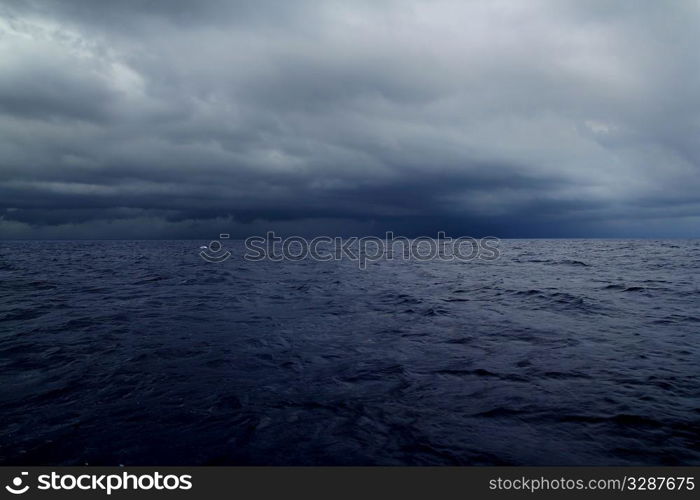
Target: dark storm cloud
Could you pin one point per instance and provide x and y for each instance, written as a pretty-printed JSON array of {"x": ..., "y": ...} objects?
[{"x": 177, "y": 119}]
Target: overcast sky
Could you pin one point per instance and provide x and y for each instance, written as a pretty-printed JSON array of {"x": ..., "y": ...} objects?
[{"x": 134, "y": 119}]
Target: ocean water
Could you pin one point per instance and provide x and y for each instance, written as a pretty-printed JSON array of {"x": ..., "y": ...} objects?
[{"x": 561, "y": 352}]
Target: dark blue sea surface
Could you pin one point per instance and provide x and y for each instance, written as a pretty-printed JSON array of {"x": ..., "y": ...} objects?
[{"x": 561, "y": 352}]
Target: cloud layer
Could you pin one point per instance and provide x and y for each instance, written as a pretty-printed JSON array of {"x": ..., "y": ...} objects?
[{"x": 186, "y": 119}]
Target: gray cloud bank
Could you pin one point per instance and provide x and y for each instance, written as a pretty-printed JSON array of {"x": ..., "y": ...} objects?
[{"x": 181, "y": 119}]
